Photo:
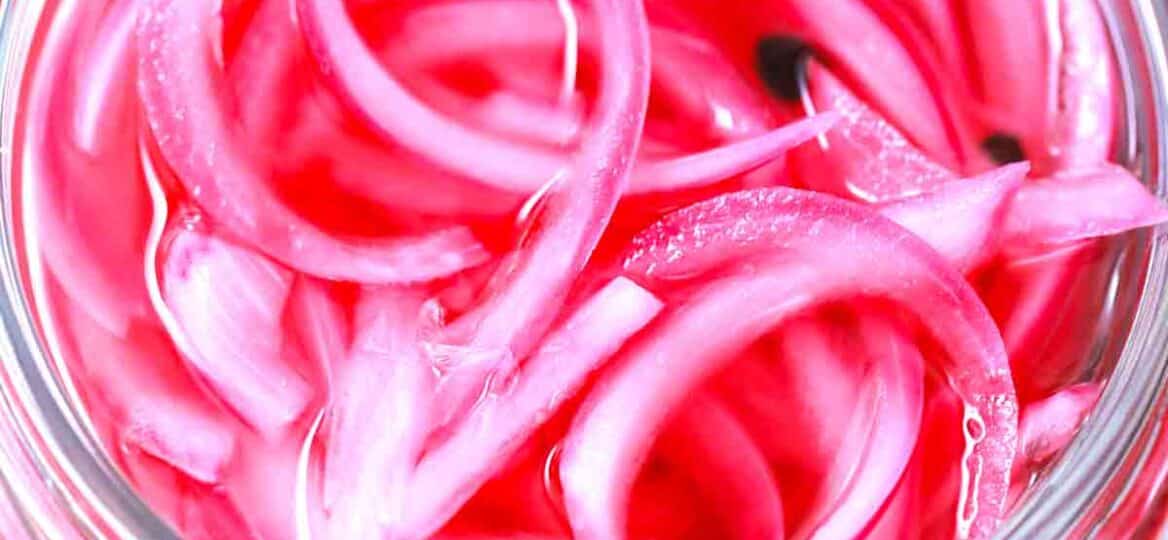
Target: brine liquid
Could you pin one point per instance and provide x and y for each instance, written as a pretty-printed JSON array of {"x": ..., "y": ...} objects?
[{"x": 101, "y": 211}]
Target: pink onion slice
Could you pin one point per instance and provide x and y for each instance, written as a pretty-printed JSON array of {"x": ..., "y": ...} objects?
[
  {"x": 709, "y": 443},
  {"x": 795, "y": 242},
  {"x": 1080, "y": 204},
  {"x": 1047, "y": 426},
  {"x": 184, "y": 95},
  {"x": 100, "y": 85},
  {"x": 399, "y": 115},
  {"x": 69, "y": 197},
  {"x": 378, "y": 419},
  {"x": 719, "y": 99},
  {"x": 961, "y": 219},
  {"x": 881, "y": 437},
  {"x": 573, "y": 213},
  {"x": 507, "y": 165},
  {"x": 1012, "y": 59},
  {"x": 864, "y": 157},
  {"x": 1081, "y": 125},
  {"x": 878, "y": 62},
  {"x": 228, "y": 302},
  {"x": 320, "y": 325},
  {"x": 157, "y": 409},
  {"x": 449, "y": 474}
]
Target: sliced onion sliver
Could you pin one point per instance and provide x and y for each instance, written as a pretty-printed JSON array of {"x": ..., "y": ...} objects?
[
  {"x": 865, "y": 157},
  {"x": 882, "y": 435},
  {"x": 507, "y": 165},
  {"x": 451, "y": 473},
  {"x": 185, "y": 97},
  {"x": 710, "y": 444},
  {"x": 228, "y": 303},
  {"x": 101, "y": 85},
  {"x": 575, "y": 210},
  {"x": 379, "y": 417},
  {"x": 1080, "y": 204},
  {"x": 1081, "y": 125},
  {"x": 815, "y": 244},
  {"x": 157, "y": 406},
  {"x": 961, "y": 219},
  {"x": 1048, "y": 425},
  {"x": 1011, "y": 64}
]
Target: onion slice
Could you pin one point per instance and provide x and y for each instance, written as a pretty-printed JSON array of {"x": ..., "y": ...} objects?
[
  {"x": 865, "y": 157},
  {"x": 185, "y": 97},
  {"x": 385, "y": 382},
  {"x": 804, "y": 249},
  {"x": 448, "y": 475},
  {"x": 1081, "y": 119},
  {"x": 879, "y": 442},
  {"x": 1080, "y": 204},
  {"x": 962, "y": 219},
  {"x": 711, "y": 445},
  {"x": 400, "y": 116},
  {"x": 228, "y": 303}
]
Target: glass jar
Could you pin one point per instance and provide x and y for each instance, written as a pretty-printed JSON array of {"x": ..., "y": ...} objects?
[{"x": 56, "y": 482}]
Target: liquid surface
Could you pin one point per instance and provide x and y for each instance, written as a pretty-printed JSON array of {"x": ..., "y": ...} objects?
[{"x": 552, "y": 269}]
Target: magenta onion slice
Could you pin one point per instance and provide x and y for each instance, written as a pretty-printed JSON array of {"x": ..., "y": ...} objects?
[
  {"x": 69, "y": 197},
  {"x": 864, "y": 157},
  {"x": 320, "y": 325},
  {"x": 507, "y": 165},
  {"x": 385, "y": 383},
  {"x": 1011, "y": 65},
  {"x": 502, "y": 420},
  {"x": 573, "y": 213},
  {"x": 687, "y": 71},
  {"x": 100, "y": 84},
  {"x": 794, "y": 241},
  {"x": 880, "y": 437},
  {"x": 228, "y": 302},
  {"x": 1080, "y": 204},
  {"x": 185, "y": 97},
  {"x": 961, "y": 219},
  {"x": 1047, "y": 426},
  {"x": 1081, "y": 117},
  {"x": 878, "y": 62},
  {"x": 708, "y": 442},
  {"x": 157, "y": 408}
]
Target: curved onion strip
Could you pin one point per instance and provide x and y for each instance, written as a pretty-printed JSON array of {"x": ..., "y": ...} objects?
[
  {"x": 259, "y": 73},
  {"x": 67, "y": 199},
  {"x": 448, "y": 475},
  {"x": 402, "y": 117},
  {"x": 101, "y": 72},
  {"x": 183, "y": 93},
  {"x": 1081, "y": 127},
  {"x": 228, "y": 304},
  {"x": 864, "y": 157},
  {"x": 319, "y": 324},
  {"x": 961, "y": 219},
  {"x": 1038, "y": 301},
  {"x": 720, "y": 96},
  {"x": 574, "y": 212},
  {"x": 1080, "y": 204},
  {"x": 707, "y": 442},
  {"x": 882, "y": 435},
  {"x": 1047, "y": 426},
  {"x": 1011, "y": 57},
  {"x": 811, "y": 263},
  {"x": 399, "y": 115},
  {"x": 875, "y": 59},
  {"x": 159, "y": 410},
  {"x": 384, "y": 382}
]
